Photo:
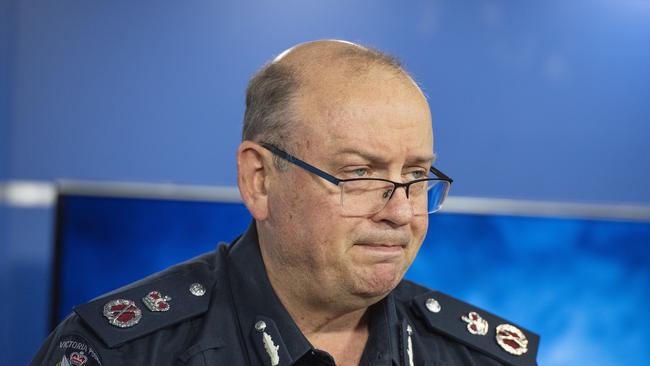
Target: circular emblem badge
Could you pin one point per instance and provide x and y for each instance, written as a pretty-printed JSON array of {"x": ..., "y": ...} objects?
[
  {"x": 122, "y": 313},
  {"x": 511, "y": 339}
]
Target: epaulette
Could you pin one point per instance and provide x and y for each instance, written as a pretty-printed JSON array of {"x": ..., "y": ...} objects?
[
  {"x": 478, "y": 329},
  {"x": 172, "y": 296}
]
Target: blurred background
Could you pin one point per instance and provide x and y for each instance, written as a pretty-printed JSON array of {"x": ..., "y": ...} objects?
[{"x": 540, "y": 109}]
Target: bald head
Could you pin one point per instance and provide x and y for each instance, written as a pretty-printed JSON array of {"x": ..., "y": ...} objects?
[
  {"x": 317, "y": 57},
  {"x": 271, "y": 95}
]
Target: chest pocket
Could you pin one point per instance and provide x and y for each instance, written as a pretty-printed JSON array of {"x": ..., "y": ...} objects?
[{"x": 201, "y": 353}]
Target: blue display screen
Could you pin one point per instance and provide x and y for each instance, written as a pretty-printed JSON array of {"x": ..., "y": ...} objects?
[
  {"x": 583, "y": 285},
  {"x": 104, "y": 243}
]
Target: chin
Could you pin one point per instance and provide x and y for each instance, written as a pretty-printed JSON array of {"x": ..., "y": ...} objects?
[{"x": 378, "y": 281}]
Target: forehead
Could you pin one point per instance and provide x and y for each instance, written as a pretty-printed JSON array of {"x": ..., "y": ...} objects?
[{"x": 375, "y": 112}]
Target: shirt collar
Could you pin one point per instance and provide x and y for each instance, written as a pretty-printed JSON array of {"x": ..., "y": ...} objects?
[
  {"x": 383, "y": 346},
  {"x": 255, "y": 299}
]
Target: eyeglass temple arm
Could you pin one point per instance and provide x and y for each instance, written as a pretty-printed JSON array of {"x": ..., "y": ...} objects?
[
  {"x": 294, "y": 160},
  {"x": 440, "y": 174}
]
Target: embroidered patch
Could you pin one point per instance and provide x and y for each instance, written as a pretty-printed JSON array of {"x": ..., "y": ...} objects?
[{"x": 73, "y": 350}]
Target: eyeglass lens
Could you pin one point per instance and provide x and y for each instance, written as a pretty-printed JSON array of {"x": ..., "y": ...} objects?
[{"x": 366, "y": 197}]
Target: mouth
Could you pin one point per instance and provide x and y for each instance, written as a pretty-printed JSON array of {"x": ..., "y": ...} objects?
[
  {"x": 381, "y": 250},
  {"x": 382, "y": 247}
]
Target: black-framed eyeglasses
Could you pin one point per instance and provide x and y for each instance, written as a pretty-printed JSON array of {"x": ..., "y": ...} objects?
[{"x": 367, "y": 196}]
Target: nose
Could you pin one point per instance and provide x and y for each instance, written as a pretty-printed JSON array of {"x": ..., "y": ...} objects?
[{"x": 398, "y": 209}]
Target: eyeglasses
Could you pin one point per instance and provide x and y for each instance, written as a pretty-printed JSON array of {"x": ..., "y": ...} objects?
[{"x": 367, "y": 196}]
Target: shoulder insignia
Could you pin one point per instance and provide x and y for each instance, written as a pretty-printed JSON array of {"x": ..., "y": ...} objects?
[
  {"x": 156, "y": 302},
  {"x": 75, "y": 350},
  {"x": 477, "y": 329}
]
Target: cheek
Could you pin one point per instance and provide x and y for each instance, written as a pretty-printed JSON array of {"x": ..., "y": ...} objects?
[
  {"x": 310, "y": 211},
  {"x": 316, "y": 202},
  {"x": 327, "y": 229},
  {"x": 291, "y": 199}
]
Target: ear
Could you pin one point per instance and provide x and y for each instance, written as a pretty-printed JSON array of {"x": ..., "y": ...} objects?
[{"x": 252, "y": 174}]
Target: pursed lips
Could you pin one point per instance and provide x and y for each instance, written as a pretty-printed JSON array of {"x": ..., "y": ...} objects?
[
  {"x": 386, "y": 240},
  {"x": 383, "y": 245}
]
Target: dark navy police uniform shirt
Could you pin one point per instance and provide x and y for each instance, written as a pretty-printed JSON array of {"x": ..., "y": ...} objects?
[{"x": 220, "y": 309}]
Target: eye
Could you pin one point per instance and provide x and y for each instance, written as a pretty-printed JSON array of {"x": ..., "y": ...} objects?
[
  {"x": 356, "y": 171},
  {"x": 417, "y": 174},
  {"x": 359, "y": 172}
]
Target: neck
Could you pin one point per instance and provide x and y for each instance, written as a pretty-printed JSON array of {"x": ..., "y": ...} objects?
[
  {"x": 336, "y": 325},
  {"x": 313, "y": 312},
  {"x": 315, "y": 322},
  {"x": 343, "y": 335}
]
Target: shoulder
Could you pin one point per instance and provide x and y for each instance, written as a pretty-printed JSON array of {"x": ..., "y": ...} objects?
[
  {"x": 158, "y": 312},
  {"x": 166, "y": 298},
  {"x": 468, "y": 325}
]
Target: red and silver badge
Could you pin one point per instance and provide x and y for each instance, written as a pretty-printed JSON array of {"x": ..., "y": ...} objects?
[
  {"x": 511, "y": 339},
  {"x": 155, "y": 301},
  {"x": 475, "y": 324},
  {"x": 78, "y": 359},
  {"x": 122, "y": 313}
]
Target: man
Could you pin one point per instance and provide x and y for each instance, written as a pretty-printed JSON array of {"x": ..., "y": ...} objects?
[{"x": 336, "y": 169}]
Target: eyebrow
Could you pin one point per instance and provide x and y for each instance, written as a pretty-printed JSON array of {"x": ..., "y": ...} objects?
[{"x": 380, "y": 159}]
